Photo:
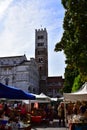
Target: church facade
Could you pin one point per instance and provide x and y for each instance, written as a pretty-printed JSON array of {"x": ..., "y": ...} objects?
[{"x": 19, "y": 72}]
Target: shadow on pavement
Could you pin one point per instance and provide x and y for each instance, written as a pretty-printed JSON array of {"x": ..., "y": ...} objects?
[{"x": 53, "y": 124}]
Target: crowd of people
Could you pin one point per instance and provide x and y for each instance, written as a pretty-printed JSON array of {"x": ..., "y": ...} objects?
[
  {"x": 17, "y": 111},
  {"x": 11, "y": 114},
  {"x": 76, "y": 108}
]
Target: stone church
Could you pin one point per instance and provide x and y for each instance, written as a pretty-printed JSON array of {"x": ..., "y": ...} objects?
[
  {"x": 31, "y": 75},
  {"x": 19, "y": 72}
]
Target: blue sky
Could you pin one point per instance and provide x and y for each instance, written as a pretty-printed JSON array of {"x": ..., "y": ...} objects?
[{"x": 18, "y": 21}]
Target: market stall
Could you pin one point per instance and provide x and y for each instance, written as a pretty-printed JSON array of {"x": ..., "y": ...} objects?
[
  {"x": 78, "y": 121},
  {"x": 38, "y": 114},
  {"x": 9, "y": 92}
]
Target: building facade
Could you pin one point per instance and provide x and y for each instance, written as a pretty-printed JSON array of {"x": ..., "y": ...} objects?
[
  {"x": 54, "y": 86},
  {"x": 48, "y": 85},
  {"x": 19, "y": 72}
]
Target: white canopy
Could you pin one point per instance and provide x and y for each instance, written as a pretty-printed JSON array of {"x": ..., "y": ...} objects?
[
  {"x": 54, "y": 99},
  {"x": 41, "y": 98},
  {"x": 80, "y": 95}
]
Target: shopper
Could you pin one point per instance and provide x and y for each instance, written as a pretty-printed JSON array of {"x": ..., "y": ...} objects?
[{"x": 61, "y": 114}]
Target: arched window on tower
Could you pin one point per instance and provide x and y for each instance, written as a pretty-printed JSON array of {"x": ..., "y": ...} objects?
[
  {"x": 41, "y": 37},
  {"x": 40, "y": 68},
  {"x": 40, "y": 60},
  {"x": 38, "y": 52}
]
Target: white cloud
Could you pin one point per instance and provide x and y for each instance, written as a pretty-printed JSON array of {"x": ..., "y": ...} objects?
[
  {"x": 3, "y": 6},
  {"x": 21, "y": 19}
]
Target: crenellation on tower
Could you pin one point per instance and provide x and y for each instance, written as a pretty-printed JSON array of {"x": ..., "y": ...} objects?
[{"x": 41, "y": 30}]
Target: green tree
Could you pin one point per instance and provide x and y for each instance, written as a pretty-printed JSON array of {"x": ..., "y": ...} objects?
[
  {"x": 73, "y": 41},
  {"x": 77, "y": 84},
  {"x": 70, "y": 74}
]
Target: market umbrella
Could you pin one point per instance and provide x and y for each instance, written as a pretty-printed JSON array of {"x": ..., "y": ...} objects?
[{"x": 10, "y": 92}]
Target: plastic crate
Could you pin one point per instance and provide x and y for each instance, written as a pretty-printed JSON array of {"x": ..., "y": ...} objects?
[{"x": 78, "y": 127}]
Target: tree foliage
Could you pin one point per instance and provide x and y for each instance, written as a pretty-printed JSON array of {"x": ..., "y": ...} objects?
[
  {"x": 70, "y": 74},
  {"x": 73, "y": 41},
  {"x": 77, "y": 84}
]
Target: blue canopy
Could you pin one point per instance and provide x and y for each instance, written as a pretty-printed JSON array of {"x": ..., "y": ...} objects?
[{"x": 14, "y": 93}]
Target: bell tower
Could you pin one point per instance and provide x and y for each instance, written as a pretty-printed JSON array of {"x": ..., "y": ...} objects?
[{"x": 41, "y": 54}]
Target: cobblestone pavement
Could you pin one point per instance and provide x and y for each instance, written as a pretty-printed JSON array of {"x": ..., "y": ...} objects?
[
  {"x": 49, "y": 129},
  {"x": 51, "y": 126}
]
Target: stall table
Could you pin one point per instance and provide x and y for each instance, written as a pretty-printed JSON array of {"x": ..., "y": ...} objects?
[
  {"x": 78, "y": 126},
  {"x": 36, "y": 119}
]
